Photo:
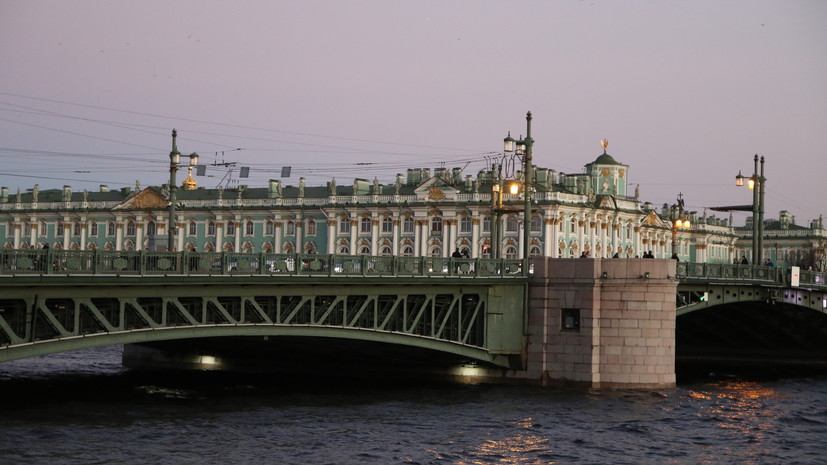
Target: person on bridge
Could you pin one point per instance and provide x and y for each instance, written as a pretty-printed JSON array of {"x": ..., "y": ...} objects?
[{"x": 744, "y": 260}]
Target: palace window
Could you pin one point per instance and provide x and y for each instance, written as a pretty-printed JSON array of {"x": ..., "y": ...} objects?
[
  {"x": 151, "y": 229},
  {"x": 93, "y": 229},
  {"x": 364, "y": 225},
  {"x": 344, "y": 225},
  {"x": 510, "y": 252},
  {"x": 465, "y": 224},
  {"x": 387, "y": 224},
  {"x": 130, "y": 228},
  {"x": 364, "y": 250},
  {"x": 408, "y": 225},
  {"x": 290, "y": 228},
  {"x": 76, "y": 228},
  {"x": 311, "y": 227},
  {"x": 486, "y": 224},
  {"x": 44, "y": 231},
  {"x": 436, "y": 225},
  {"x": 536, "y": 223},
  {"x": 386, "y": 251},
  {"x": 249, "y": 228},
  {"x": 269, "y": 228},
  {"x": 407, "y": 251},
  {"x": 230, "y": 227},
  {"x": 193, "y": 229},
  {"x": 58, "y": 229},
  {"x": 110, "y": 229},
  {"x": 211, "y": 228},
  {"x": 27, "y": 229},
  {"x": 511, "y": 224}
]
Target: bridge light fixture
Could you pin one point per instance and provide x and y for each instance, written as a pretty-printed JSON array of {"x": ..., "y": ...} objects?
[
  {"x": 174, "y": 164},
  {"x": 739, "y": 180},
  {"x": 523, "y": 148}
]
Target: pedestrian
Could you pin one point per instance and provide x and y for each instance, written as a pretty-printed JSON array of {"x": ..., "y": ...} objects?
[
  {"x": 744, "y": 260},
  {"x": 456, "y": 253}
]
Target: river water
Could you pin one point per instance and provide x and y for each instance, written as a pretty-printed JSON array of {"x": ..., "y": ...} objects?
[{"x": 84, "y": 408}]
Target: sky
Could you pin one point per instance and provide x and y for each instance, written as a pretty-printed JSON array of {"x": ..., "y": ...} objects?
[{"x": 686, "y": 93}]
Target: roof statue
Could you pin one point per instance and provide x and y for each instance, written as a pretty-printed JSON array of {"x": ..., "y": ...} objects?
[{"x": 605, "y": 144}]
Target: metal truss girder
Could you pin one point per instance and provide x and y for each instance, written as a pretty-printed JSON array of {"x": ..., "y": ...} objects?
[{"x": 454, "y": 314}]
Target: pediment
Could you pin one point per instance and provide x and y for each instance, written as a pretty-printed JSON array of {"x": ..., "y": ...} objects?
[
  {"x": 436, "y": 189},
  {"x": 652, "y": 219},
  {"x": 147, "y": 199}
]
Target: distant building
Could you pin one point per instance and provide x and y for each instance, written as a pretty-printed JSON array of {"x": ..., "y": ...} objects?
[{"x": 421, "y": 213}]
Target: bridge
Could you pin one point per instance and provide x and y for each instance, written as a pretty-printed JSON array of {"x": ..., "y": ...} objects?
[{"x": 481, "y": 319}]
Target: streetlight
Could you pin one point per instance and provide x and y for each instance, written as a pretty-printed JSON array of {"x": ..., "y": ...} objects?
[
  {"x": 174, "y": 164},
  {"x": 522, "y": 147},
  {"x": 756, "y": 183},
  {"x": 677, "y": 224}
]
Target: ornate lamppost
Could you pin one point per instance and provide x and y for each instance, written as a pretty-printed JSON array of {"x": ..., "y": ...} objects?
[
  {"x": 756, "y": 183},
  {"x": 523, "y": 148},
  {"x": 174, "y": 164}
]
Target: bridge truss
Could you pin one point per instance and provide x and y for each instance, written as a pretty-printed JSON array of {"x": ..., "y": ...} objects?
[{"x": 49, "y": 315}]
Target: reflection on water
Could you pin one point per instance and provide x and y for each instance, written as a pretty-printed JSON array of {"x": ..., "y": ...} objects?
[
  {"x": 745, "y": 410},
  {"x": 96, "y": 412}
]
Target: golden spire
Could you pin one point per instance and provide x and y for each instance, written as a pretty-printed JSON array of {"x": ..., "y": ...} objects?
[{"x": 190, "y": 183}]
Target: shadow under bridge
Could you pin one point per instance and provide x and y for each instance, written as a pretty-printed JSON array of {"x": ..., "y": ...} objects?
[{"x": 266, "y": 320}]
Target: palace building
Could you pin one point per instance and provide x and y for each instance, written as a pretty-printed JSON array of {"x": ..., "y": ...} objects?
[{"x": 423, "y": 212}]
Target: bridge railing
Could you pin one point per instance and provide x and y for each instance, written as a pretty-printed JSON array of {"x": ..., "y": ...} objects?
[
  {"x": 29, "y": 262},
  {"x": 721, "y": 272}
]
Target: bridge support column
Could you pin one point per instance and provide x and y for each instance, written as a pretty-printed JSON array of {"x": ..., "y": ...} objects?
[{"x": 602, "y": 323}]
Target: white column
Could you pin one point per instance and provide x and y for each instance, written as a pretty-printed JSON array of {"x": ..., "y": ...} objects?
[
  {"x": 332, "y": 224},
  {"x": 354, "y": 235}
]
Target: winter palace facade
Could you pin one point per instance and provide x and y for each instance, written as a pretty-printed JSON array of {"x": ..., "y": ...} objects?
[{"x": 421, "y": 213}]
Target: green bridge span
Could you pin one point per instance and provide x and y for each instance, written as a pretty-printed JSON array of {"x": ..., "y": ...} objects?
[
  {"x": 432, "y": 310},
  {"x": 53, "y": 301}
]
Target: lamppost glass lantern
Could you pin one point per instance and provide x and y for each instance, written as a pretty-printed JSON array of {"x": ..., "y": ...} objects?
[{"x": 739, "y": 180}]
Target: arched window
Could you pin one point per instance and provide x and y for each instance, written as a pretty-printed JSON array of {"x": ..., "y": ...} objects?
[
  {"x": 510, "y": 252},
  {"x": 130, "y": 228},
  {"x": 436, "y": 251},
  {"x": 408, "y": 225},
  {"x": 344, "y": 225},
  {"x": 75, "y": 229},
  {"x": 535, "y": 251},
  {"x": 230, "y": 230},
  {"x": 311, "y": 227},
  {"x": 511, "y": 224},
  {"x": 364, "y": 225},
  {"x": 386, "y": 251},
  {"x": 343, "y": 250},
  {"x": 110, "y": 229},
  {"x": 211, "y": 228},
  {"x": 364, "y": 250},
  {"x": 249, "y": 228},
  {"x": 269, "y": 228},
  {"x": 150, "y": 228},
  {"x": 59, "y": 229},
  {"x": 193, "y": 228},
  {"x": 43, "y": 229},
  {"x": 407, "y": 251},
  {"x": 290, "y": 228},
  {"x": 93, "y": 229},
  {"x": 436, "y": 225},
  {"x": 465, "y": 224},
  {"x": 387, "y": 224},
  {"x": 486, "y": 223},
  {"x": 536, "y": 223}
]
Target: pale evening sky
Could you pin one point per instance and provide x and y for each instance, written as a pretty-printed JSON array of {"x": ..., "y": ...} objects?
[{"x": 685, "y": 92}]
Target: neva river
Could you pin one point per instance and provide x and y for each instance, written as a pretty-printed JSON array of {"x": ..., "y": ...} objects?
[{"x": 83, "y": 408}]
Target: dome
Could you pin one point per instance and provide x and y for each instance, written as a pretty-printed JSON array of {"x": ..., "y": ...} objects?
[{"x": 605, "y": 159}]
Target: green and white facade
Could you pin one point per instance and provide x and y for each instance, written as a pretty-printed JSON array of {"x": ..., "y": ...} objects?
[{"x": 421, "y": 213}]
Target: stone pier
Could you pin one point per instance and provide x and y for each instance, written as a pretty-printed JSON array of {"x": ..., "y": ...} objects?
[{"x": 602, "y": 323}]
